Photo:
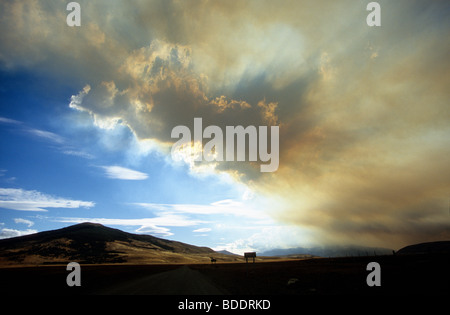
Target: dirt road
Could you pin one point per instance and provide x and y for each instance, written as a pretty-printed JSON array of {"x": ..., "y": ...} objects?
[{"x": 181, "y": 281}]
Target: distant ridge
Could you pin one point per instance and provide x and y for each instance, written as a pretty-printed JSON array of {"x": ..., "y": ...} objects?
[
  {"x": 329, "y": 251},
  {"x": 225, "y": 252},
  {"x": 94, "y": 243},
  {"x": 439, "y": 247}
]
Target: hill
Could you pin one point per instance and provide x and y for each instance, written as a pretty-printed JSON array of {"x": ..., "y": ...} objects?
[
  {"x": 441, "y": 247},
  {"x": 95, "y": 243}
]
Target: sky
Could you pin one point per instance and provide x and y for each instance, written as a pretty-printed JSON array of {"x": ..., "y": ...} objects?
[{"x": 87, "y": 113}]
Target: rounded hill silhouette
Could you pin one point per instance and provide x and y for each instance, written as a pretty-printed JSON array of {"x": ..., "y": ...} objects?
[{"x": 94, "y": 243}]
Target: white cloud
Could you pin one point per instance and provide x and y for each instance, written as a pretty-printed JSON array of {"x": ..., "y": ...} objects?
[
  {"x": 202, "y": 230},
  {"x": 76, "y": 100},
  {"x": 154, "y": 230},
  {"x": 157, "y": 225},
  {"x": 24, "y": 221},
  {"x": 221, "y": 213},
  {"x": 31, "y": 200},
  {"x": 47, "y": 135},
  {"x": 118, "y": 172},
  {"x": 270, "y": 237},
  {"x": 222, "y": 207},
  {"x": 9, "y": 121},
  {"x": 237, "y": 247},
  {"x": 7, "y": 233}
]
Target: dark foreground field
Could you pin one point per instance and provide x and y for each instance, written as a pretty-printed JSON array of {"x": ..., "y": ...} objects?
[{"x": 409, "y": 274}]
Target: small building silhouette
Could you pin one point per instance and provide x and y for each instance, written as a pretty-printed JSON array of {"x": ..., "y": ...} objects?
[{"x": 250, "y": 255}]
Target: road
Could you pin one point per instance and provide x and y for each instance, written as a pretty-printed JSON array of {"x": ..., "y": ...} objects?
[{"x": 181, "y": 281}]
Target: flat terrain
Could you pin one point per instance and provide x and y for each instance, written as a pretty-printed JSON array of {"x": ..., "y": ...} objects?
[{"x": 408, "y": 274}]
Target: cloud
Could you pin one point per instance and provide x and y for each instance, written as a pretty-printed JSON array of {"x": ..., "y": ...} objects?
[
  {"x": 154, "y": 230},
  {"x": 6, "y": 179},
  {"x": 223, "y": 212},
  {"x": 8, "y": 233},
  {"x": 164, "y": 92},
  {"x": 156, "y": 225},
  {"x": 202, "y": 230},
  {"x": 47, "y": 135},
  {"x": 118, "y": 172},
  {"x": 225, "y": 207},
  {"x": 24, "y": 221},
  {"x": 267, "y": 237},
  {"x": 43, "y": 134},
  {"x": 32, "y": 200},
  {"x": 5, "y": 120},
  {"x": 61, "y": 142}
]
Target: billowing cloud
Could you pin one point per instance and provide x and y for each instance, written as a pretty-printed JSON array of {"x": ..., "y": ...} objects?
[{"x": 363, "y": 111}]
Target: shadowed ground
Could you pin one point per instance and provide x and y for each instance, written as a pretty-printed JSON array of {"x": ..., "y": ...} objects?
[
  {"x": 406, "y": 274},
  {"x": 181, "y": 281}
]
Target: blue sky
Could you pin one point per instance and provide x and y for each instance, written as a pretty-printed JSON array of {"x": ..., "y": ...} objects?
[
  {"x": 45, "y": 160},
  {"x": 86, "y": 115},
  {"x": 60, "y": 172}
]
